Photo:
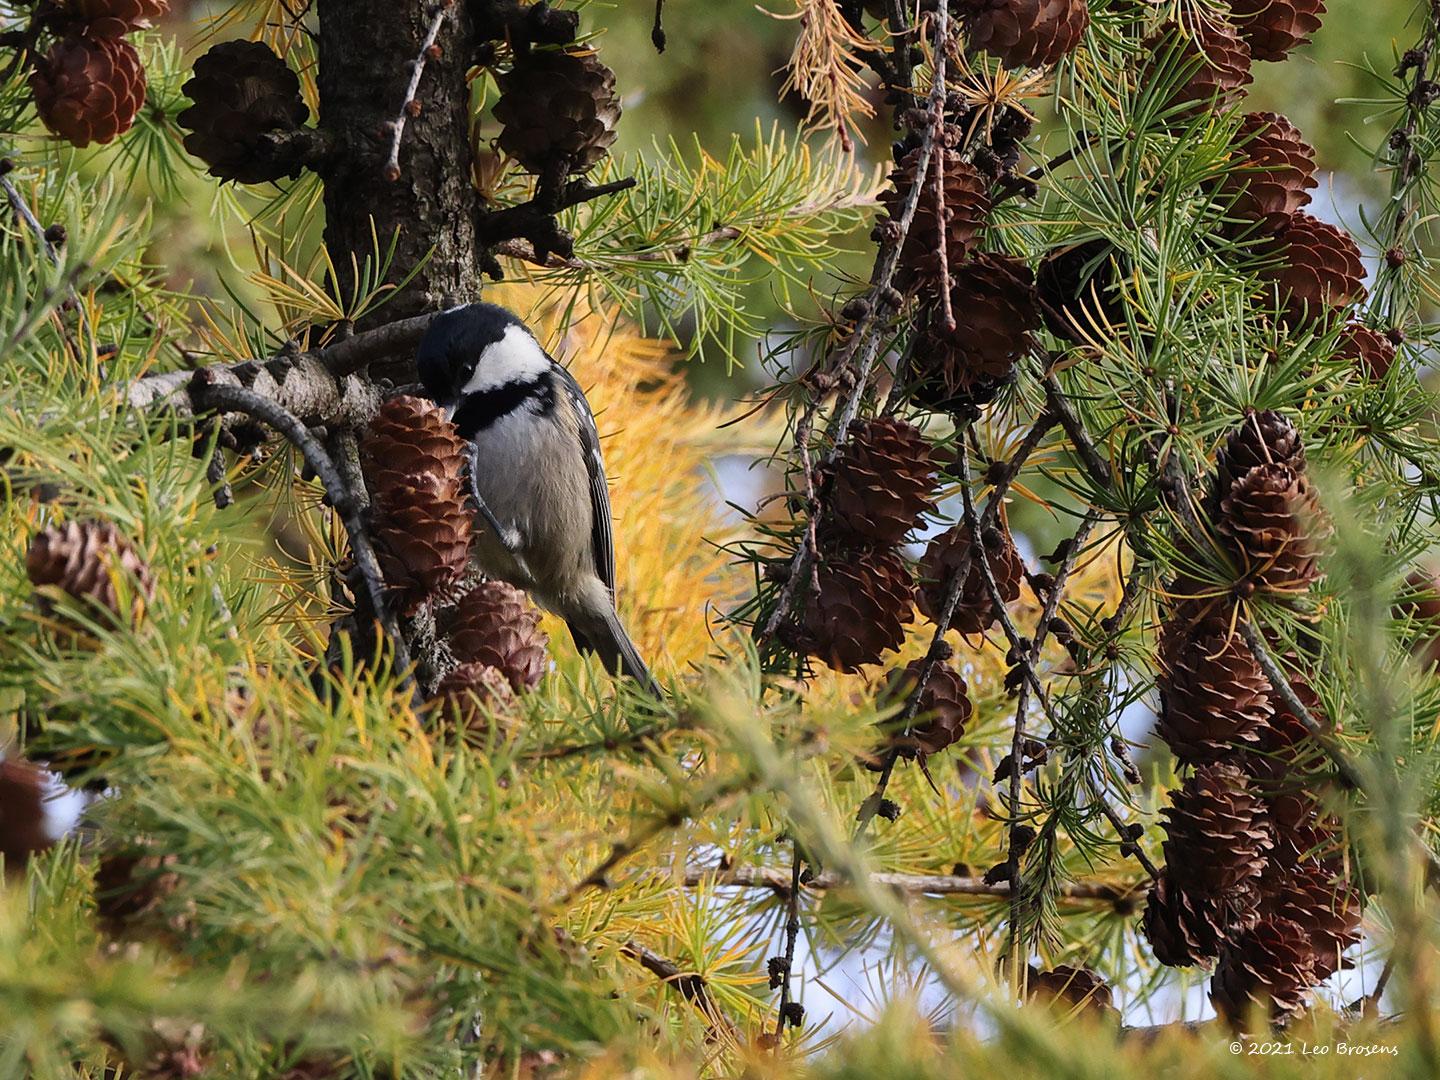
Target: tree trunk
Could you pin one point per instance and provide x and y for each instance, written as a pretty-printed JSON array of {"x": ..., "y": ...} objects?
[{"x": 367, "y": 48}]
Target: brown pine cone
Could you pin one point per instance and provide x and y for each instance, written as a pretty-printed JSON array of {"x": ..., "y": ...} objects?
[
  {"x": 1183, "y": 930},
  {"x": 1026, "y": 33},
  {"x": 1273, "y": 27},
  {"x": 414, "y": 464},
  {"x": 1217, "y": 838},
  {"x": 975, "y": 613},
  {"x": 1312, "y": 269},
  {"x": 22, "y": 813},
  {"x": 1371, "y": 352},
  {"x": 1072, "y": 987},
  {"x": 1077, "y": 287},
  {"x": 474, "y": 698},
  {"x": 1316, "y": 895},
  {"x": 996, "y": 308},
  {"x": 861, "y": 610},
  {"x": 559, "y": 110},
  {"x": 1222, "y": 57},
  {"x": 1215, "y": 698},
  {"x": 1284, "y": 754},
  {"x": 114, "y": 18},
  {"x": 84, "y": 559},
  {"x": 246, "y": 100},
  {"x": 943, "y": 711},
  {"x": 88, "y": 89},
  {"x": 1274, "y": 171},
  {"x": 495, "y": 625},
  {"x": 1273, "y": 518},
  {"x": 882, "y": 481},
  {"x": 1271, "y": 965},
  {"x": 967, "y": 205},
  {"x": 1262, "y": 438}
]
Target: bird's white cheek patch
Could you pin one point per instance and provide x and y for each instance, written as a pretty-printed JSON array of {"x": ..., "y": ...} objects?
[{"x": 515, "y": 358}]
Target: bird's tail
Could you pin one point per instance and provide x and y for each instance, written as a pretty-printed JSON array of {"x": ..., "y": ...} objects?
[{"x": 607, "y": 639}]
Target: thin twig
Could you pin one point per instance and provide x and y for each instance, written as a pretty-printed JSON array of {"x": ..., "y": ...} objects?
[
  {"x": 1090, "y": 457},
  {"x": 692, "y": 985},
  {"x": 224, "y": 398},
  {"x": 792, "y": 934},
  {"x": 657, "y": 30},
  {"x": 411, "y": 105}
]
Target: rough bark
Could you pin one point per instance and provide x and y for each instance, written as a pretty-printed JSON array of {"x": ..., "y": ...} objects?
[{"x": 367, "y": 48}]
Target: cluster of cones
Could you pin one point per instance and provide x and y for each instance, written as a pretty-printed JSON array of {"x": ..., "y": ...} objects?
[
  {"x": 1255, "y": 877},
  {"x": 90, "y": 84},
  {"x": 415, "y": 468}
]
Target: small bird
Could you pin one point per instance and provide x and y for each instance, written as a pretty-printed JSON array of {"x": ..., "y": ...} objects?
[{"x": 535, "y": 472}]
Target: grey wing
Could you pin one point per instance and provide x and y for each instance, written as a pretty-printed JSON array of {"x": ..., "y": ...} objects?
[{"x": 602, "y": 541}]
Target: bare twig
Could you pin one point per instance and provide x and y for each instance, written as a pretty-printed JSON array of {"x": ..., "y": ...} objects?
[
  {"x": 657, "y": 30},
  {"x": 786, "y": 963},
  {"x": 692, "y": 986},
  {"x": 222, "y": 397},
  {"x": 411, "y": 105},
  {"x": 1090, "y": 457}
]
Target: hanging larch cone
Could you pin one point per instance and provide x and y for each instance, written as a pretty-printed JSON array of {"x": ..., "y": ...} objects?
[
  {"x": 1312, "y": 270},
  {"x": 85, "y": 559},
  {"x": 1284, "y": 755},
  {"x": 414, "y": 466},
  {"x": 475, "y": 699},
  {"x": 1273, "y": 172},
  {"x": 1262, "y": 438},
  {"x": 559, "y": 110},
  {"x": 967, "y": 205},
  {"x": 1371, "y": 352},
  {"x": 88, "y": 89},
  {"x": 882, "y": 481},
  {"x": 1077, "y": 287},
  {"x": 1270, "y": 966},
  {"x": 1025, "y": 33},
  {"x": 996, "y": 307},
  {"x": 1217, "y": 839},
  {"x": 1215, "y": 699},
  {"x": 1215, "y": 55},
  {"x": 859, "y": 612},
  {"x": 1273, "y": 27},
  {"x": 1183, "y": 929},
  {"x": 22, "y": 812},
  {"x": 1315, "y": 894},
  {"x": 246, "y": 100},
  {"x": 1072, "y": 987},
  {"x": 1273, "y": 518},
  {"x": 114, "y": 18},
  {"x": 495, "y": 625},
  {"x": 945, "y": 554},
  {"x": 941, "y": 714}
]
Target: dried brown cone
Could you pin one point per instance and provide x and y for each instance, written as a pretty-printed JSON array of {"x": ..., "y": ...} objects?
[
  {"x": 414, "y": 464},
  {"x": 495, "y": 625},
  {"x": 1262, "y": 438},
  {"x": 1273, "y": 518},
  {"x": 997, "y": 307},
  {"x": 1217, "y": 55},
  {"x": 967, "y": 205},
  {"x": 1217, "y": 839},
  {"x": 1073, "y": 987},
  {"x": 85, "y": 559},
  {"x": 1273, "y": 27},
  {"x": 476, "y": 700},
  {"x": 945, "y": 554},
  {"x": 1313, "y": 270},
  {"x": 941, "y": 714},
  {"x": 1076, "y": 287},
  {"x": 1269, "y": 966},
  {"x": 1315, "y": 893},
  {"x": 1026, "y": 33},
  {"x": 882, "y": 481},
  {"x": 1274, "y": 172},
  {"x": 88, "y": 89},
  {"x": 1216, "y": 698},
  {"x": 112, "y": 18},
  {"x": 559, "y": 110},
  {"x": 860, "y": 610},
  {"x": 245, "y": 100},
  {"x": 22, "y": 812},
  {"x": 1182, "y": 929},
  {"x": 1371, "y": 352}
]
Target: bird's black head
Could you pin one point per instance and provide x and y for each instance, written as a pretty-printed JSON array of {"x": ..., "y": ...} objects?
[{"x": 454, "y": 345}]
